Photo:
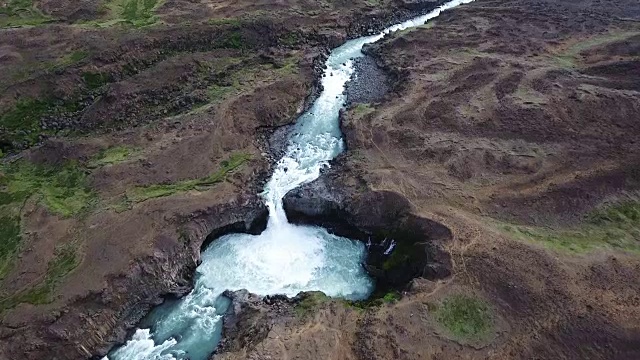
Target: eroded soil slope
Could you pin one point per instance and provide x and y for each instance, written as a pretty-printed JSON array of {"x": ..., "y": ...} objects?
[{"x": 514, "y": 124}]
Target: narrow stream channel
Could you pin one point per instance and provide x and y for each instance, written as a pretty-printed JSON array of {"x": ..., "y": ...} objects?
[{"x": 285, "y": 258}]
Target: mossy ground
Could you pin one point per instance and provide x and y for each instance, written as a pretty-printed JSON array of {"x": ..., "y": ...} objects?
[
  {"x": 377, "y": 299},
  {"x": 569, "y": 58},
  {"x": 20, "y": 125},
  {"x": 11, "y": 237},
  {"x": 135, "y": 13},
  {"x": 237, "y": 80},
  {"x": 143, "y": 193},
  {"x": 464, "y": 317},
  {"x": 66, "y": 259},
  {"x": 20, "y": 13},
  {"x": 63, "y": 190},
  {"x": 310, "y": 302},
  {"x": 112, "y": 155},
  {"x": 615, "y": 226},
  {"x": 95, "y": 80},
  {"x": 361, "y": 110}
]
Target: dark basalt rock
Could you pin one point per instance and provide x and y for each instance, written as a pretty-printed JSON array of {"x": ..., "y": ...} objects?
[
  {"x": 166, "y": 274},
  {"x": 406, "y": 9},
  {"x": 250, "y": 317},
  {"x": 369, "y": 83},
  {"x": 380, "y": 219}
]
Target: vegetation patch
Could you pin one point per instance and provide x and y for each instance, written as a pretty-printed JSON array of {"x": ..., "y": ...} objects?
[
  {"x": 233, "y": 40},
  {"x": 22, "y": 123},
  {"x": 217, "y": 92},
  {"x": 95, "y": 80},
  {"x": 11, "y": 238},
  {"x": 112, "y": 155},
  {"x": 136, "y": 13},
  {"x": 144, "y": 193},
  {"x": 290, "y": 39},
  {"x": 235, "y": 80},
  {"x": 377, "y": 299},
  {"x": 66, "y": 259},
  {"x": 614, "y": 226},
  {"x": 139, "y": 12},
  {"x": 62, "y": 189},
  {"x": 569, "y": 57},
  {"x": 391, "y": 297},
  {"x": 20, "y": 126},
  {"x": 309, "y": 303},
  {"x": 21, "y": 13},
  {"x": 361, "y": 110},
  {"x": 465, "y": 317},
  {"x": 68, "y": 60},
  {"x": 236, "y": 22},
  {"x": 32, "y": 68},
  {"x": 76, "y": 56}
]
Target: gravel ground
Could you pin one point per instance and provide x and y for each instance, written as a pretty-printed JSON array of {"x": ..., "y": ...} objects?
[{"x": 368, "y": 83}]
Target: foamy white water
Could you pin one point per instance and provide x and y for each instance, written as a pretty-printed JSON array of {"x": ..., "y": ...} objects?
[{"x": 285, "y": 258}]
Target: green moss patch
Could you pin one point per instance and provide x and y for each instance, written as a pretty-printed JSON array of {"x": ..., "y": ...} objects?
[
  {"x": 232, "y": 21},
  {"x": 20, "y": 125},
  {"x": 136, "y": 13},
  {"x": 465, "y": 317},
  {"x": 570, "y": 57},
  {"x": 62, "y": 189},
  {"x": 232, "y": 78},
  {"x": 614, "y": 226},
  {"x": 66, "y": 259},
  {"x": 112, "y": 155},
  {"x": 11, "y": 238},
  {"x": 391, "y": 297},
  {"x": 310, "y": 302},
  {"x": 378, "y": 299},
  {"x": 360, "y": 110},
  {"x": 21, "y": 13},
  {"x": 144, "y": 193},
  {"x": 290, "y": 39},
  {"x": 233, "y": 40},
  {"x": 95, "y": 80}
]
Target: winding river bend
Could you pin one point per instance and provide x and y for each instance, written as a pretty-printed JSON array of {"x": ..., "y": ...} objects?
[{"x": 285, "y": 258}]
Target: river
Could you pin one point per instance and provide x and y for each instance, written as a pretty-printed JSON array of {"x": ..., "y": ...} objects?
[{"x": 285, "y": 258}]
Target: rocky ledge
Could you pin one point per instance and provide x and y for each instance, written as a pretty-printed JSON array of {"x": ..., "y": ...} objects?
[
  {"x": 401, "y": 245},
  {"x": 167, "y": 272}
]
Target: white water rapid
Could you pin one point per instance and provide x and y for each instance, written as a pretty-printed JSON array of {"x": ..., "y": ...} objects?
[{"x": 285, "y": 258}]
